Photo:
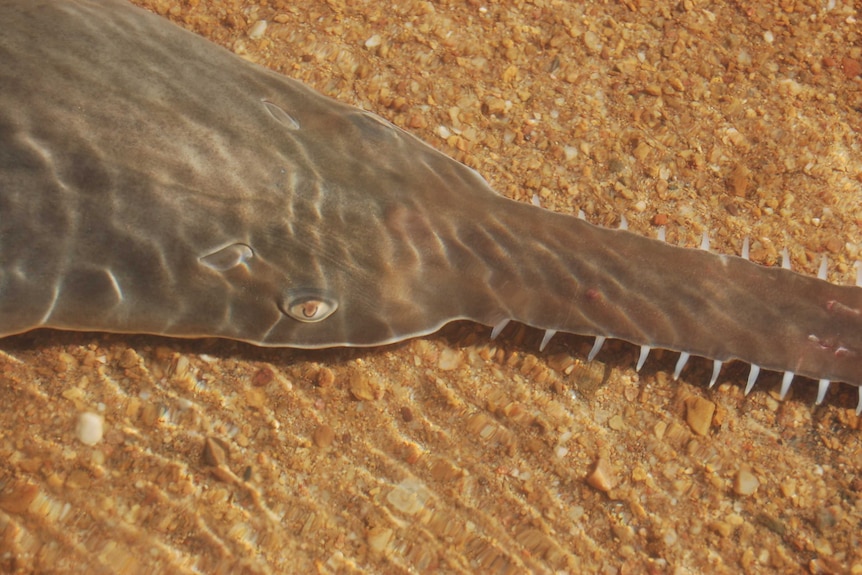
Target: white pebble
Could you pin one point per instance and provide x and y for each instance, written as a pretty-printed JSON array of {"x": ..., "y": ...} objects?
[
  {"x": 90, "y": 428},
  {"x": 257, "y": 30},
  {"x": 409, "y": 496},
  {"x": 374, "y": 41},
  {"x": 592, "y": 41},
  {"x": 449, "y": 359}
]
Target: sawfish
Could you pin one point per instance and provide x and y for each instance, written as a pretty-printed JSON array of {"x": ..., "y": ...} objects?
[{"x": 153, "y": 182}]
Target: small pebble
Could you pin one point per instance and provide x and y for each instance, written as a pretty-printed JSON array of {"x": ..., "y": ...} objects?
[
  {"x": 374, "y": 41},
  {"x": 128, "y": 359},
  {"x": 698, "y": 414},
  {"x": 90, "y": 428},
  {"x": 257, "y": 30},
  {"x": 409, "y": 496},
  {"x": 378, "y": 538},
  {"x": 16, "y": 498},
  {"x": 851, "y": 67},
  {"x": 325, "y": 377},
  {"x": 362, "y": 388},
  {"x": 256, "y": 397},
  {"x": 602, "y": 477},
  {"x": 323, "y": 436},
  {"x": 739, "y": 180},
  {"x": 78, "y": 479},
  {"x": 617, "y": 423},
  {"x": 592, "y": 41},
  {"x": 216, "y": 452},
  {"x": 406, "y": 414},
  {"x": 745, "y": 482},
  {"x": 449, "y": 359},
  {"x": 262, "y": 377}
]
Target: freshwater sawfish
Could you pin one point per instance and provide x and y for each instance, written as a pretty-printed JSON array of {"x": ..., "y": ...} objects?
[{"x": 153, "y": 182}]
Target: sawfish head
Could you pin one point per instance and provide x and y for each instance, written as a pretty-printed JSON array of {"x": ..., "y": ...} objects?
[
  {"x": 160, "y": 184},
  {"x": 363, "y": 239}
]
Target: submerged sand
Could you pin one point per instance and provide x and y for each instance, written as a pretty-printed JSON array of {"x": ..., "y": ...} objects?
[{"x": 453, "y": 453}]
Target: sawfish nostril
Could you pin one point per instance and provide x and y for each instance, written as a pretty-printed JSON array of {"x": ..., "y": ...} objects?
[
  {"x": 309, "y": 306},
  {"x": 227, "y": 257}
]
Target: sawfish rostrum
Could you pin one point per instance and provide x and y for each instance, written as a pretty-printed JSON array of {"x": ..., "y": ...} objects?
[{"x": 151, "y": 181}]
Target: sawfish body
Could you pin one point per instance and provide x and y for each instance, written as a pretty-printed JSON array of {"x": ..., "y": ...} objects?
[{"x": 153, "y": 182}]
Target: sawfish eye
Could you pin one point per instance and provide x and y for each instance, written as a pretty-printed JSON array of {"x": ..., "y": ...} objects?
[{"x": 309, "y": 307}]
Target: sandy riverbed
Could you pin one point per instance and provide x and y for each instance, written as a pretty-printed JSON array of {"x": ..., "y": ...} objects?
[{"x": 453, "y": 453}]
